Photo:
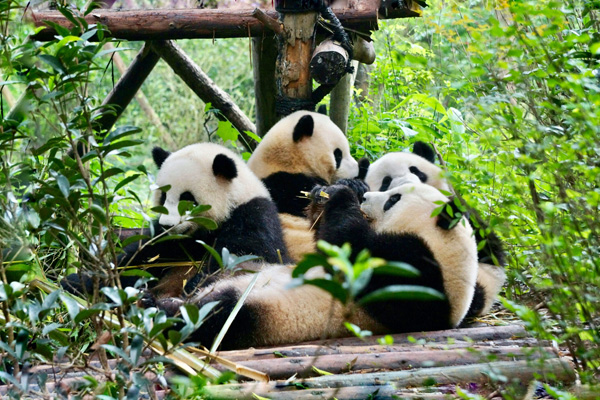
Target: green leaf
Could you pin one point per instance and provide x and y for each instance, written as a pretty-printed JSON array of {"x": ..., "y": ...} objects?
[
  {"x": 63, "y": 185},
  {"x": 332, "y": 287},
  {"x": 227, "y": 132},
  {"x": 403, "y": 292},
  {"x": 71, "y": 305},
  {"x": 53, "y": 62},
  {"x": 212, "y": 252},
  {"x": 397, "y": 268},
  {"x": 127, "y": 180},
  {"x": 309, "y": 261}
]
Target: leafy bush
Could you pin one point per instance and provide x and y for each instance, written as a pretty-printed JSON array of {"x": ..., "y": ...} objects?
[{"x": 508, "y": 93}]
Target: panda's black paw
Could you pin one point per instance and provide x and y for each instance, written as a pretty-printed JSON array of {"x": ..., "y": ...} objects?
[
  {"x": 359, "y": 187},
  {"x": 147, "y": 300}
]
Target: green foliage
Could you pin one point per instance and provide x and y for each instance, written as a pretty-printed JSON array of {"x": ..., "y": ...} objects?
[{"x": 508, "y": 92}]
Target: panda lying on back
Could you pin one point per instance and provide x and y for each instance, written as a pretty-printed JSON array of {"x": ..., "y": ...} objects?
[
  {"x": 394, "y": 169},
  {"x": 399, "y": 228},
  {"x": 302, "y": 150},
  {"x": 207, "y": 174}
]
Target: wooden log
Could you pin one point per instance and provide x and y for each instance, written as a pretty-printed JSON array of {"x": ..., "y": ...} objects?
[
  {"x": 292, "y": 79},
  {"x": 264, "y": 53},
  {"x": 283, "y": 368},
  {"x": 364, "y": 52},
  {"x": 190, "y": 23},
  {"x": 328, "y": 62},
  {"x": 315, "y": 350},
  {"x": 205, "y": 88},
  {"x": 127, "y": 86},
  {"x": 523, "y": 371}
]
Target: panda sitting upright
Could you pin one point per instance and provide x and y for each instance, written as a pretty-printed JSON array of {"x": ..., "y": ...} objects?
[
  {"x": 397, "y": 168},
  {"x": 302, "y": 150},
  {"x": 240, "y": 205}
]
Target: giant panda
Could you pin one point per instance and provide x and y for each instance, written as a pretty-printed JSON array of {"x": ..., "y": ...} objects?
[
  {"x": 300, "y": 151},
  {"x": 397, "y": 168},
  {"x": 240, "y": 205},
  {"x": 398, "y": 227}
]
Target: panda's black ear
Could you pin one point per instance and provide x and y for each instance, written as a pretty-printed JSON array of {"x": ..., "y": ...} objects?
[
  {"x": 224, "y": 167},
  {"x": 322, "y": 109},
  {"x": 159, "y": 155},
  {"x": 424, "y": 150},
  {"x": 363, "y": 168},
  {"x": 304, "y": 127}
]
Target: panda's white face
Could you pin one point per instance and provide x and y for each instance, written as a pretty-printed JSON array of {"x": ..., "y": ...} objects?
[
  {"x": 304, "y": 143},
  {"x": 408, "y": 209},
  {"x": 204, "y": 173},
  {"x": 395, "y": 169},
  {"x": 408, "y": 205}
]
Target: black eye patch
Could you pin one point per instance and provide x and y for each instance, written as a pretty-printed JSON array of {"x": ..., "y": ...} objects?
[
  {"x": 391, "y": 201},
  {"x": 163, "y": 198},
  {"x": 421, "y": 175},
  {"x": 337, "y": 153},
  {"x": 187, "y": 196},
  {"x": 385, "y": 184}
]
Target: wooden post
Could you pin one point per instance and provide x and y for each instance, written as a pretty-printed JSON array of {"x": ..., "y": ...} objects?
[
  {"x": 295, "y": 46},
  {"x": 264, "y": 53},
  {"x": 126, "y": 88},
  {"x": 205, "y": 88},
  {"x": 339, "y": 99}
]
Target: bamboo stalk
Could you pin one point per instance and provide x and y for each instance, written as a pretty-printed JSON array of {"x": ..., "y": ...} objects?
[
  {"x": 283, "y": 368},
  {"x": 523, "y": 371},
  {"x": 315, "y": 350}
]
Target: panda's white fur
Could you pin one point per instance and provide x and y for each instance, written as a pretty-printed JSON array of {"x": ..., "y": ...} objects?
[
  {"x": 297, "y": 153},
  {"x": 187, "y": 170},
  {"x": 394, "y": 169},
  {"x": 454, "y": 249}
]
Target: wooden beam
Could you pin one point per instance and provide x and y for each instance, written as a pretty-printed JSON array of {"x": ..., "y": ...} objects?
[
  {"x": 189, "y": 23},
  {"x": 205, "y": 88},
  {"x": 128, "y": 85}
]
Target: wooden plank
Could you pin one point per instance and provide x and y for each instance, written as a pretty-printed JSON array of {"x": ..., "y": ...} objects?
[
  {"x": 189, "y": 23},
  {"x": 128, "y": 85},
  {"x": 205, "y": 88},
  {"x": 524, "y": 371},
  {"x": 283, "y": 368}
]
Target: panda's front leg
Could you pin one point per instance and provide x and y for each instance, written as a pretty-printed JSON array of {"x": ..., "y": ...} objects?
[
  {"x": 170, "y": 305},
  {"x": 340, "y": 219}
]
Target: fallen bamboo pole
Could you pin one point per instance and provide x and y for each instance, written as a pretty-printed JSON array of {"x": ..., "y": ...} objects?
[
  {"x": 205, "y": 88},
  {"x": 190, "y": 23},
  {"x": 523, "y": 371},
  {"x": 283, "y": 368},
  {"x": 315, "y": 350}
]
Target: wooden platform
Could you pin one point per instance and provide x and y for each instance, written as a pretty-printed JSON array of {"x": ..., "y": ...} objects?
[{"x": 428, "y": 365}]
